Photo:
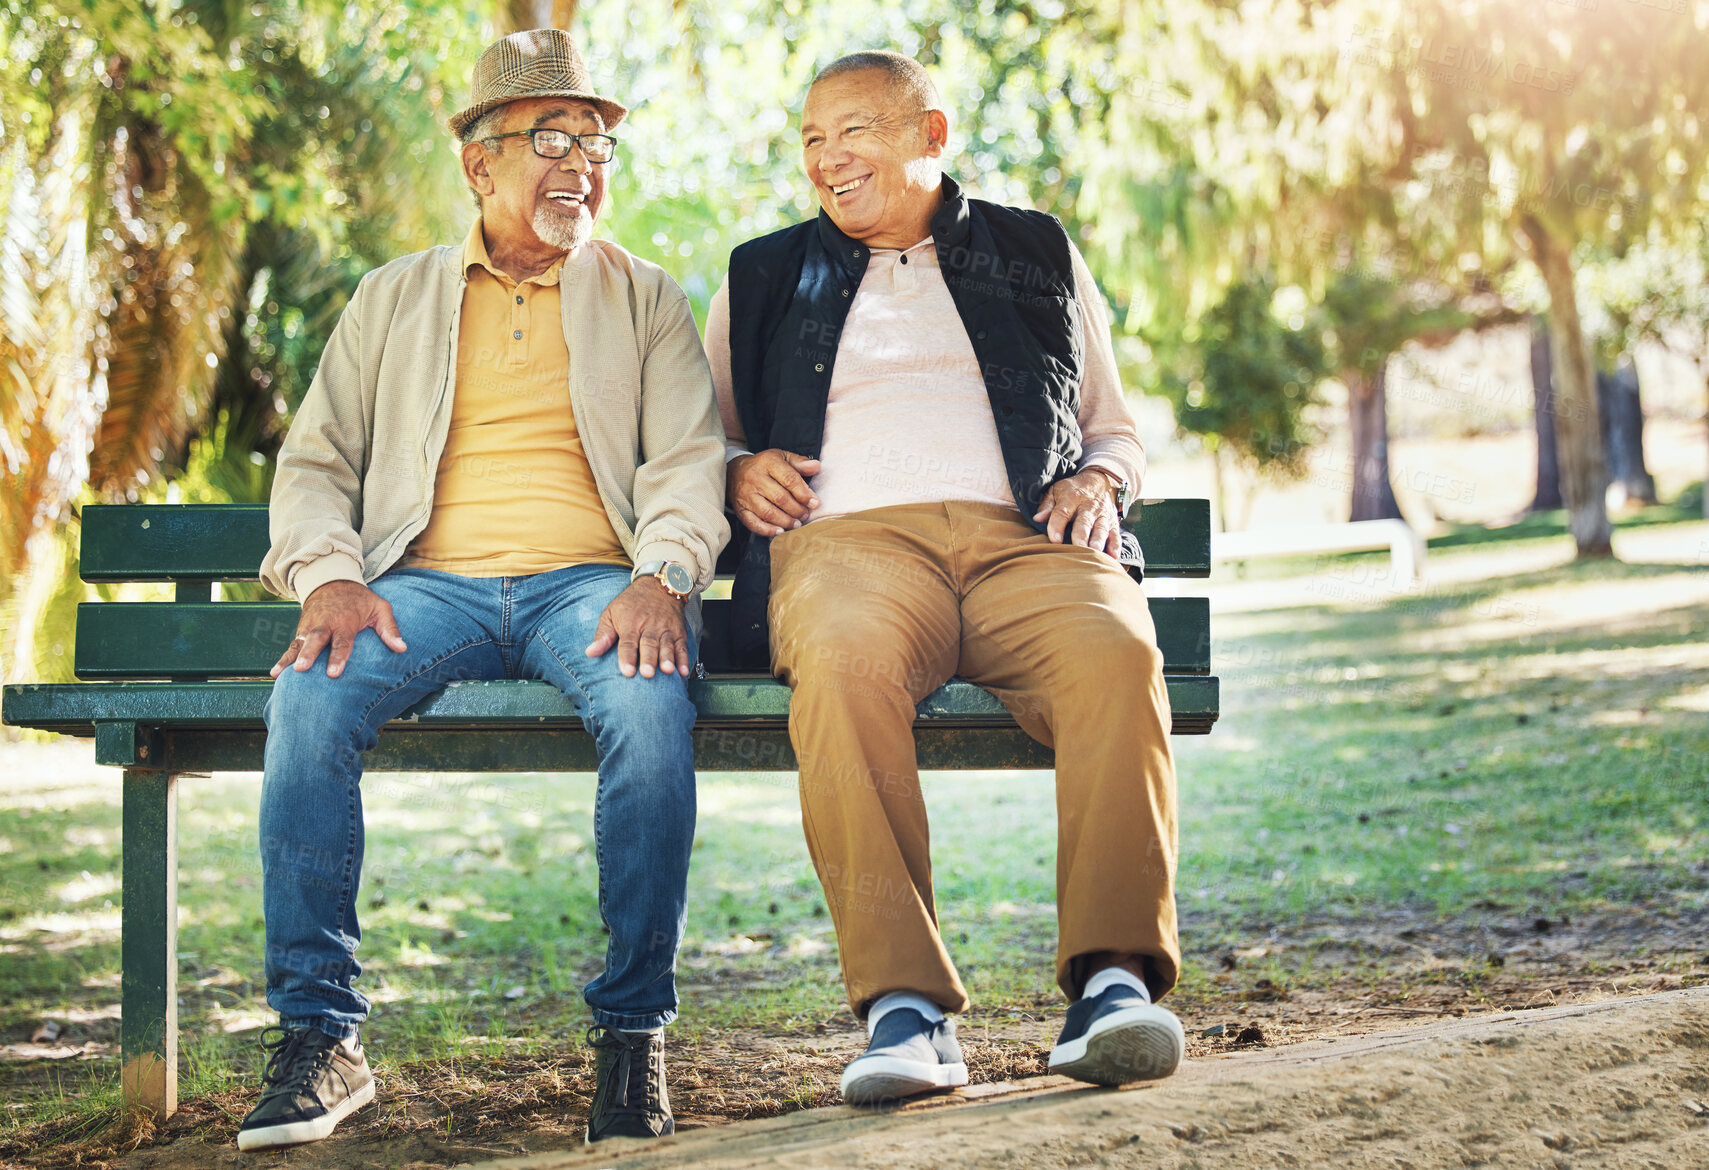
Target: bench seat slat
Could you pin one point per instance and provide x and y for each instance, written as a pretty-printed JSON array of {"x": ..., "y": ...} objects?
[
  {"x": 751, "y": 704},
  {"x": 560, "y": 749},
  {"x": 225, "y": 542},
  {"x": 567, "y": 749},
  {"x": 237, "y": 639}
]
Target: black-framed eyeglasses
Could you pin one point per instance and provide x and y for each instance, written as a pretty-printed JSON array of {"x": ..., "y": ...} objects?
[{"x": 549, "y": 143}]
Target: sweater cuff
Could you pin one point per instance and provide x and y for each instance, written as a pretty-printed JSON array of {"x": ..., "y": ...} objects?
[
  {"x": 332, "y": 567},
  {"x": 1112, "y": 464}
]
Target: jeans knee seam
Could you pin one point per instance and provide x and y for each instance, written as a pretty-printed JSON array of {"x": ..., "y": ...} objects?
[
  {"x": 350, "y": 844},
  {"x": 586, "y": 696},
  {"x": 589, "y": 722},
  {"x": 347, "y": 894},
  {"x": 415, "y": 674}
]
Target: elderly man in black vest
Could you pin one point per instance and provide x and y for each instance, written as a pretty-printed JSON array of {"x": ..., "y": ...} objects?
[{"x": 930, "y": 451}]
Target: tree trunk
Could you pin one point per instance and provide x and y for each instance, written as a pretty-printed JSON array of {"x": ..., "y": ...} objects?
[
  {"x": 1584, "y": 475},
  {"x": 1367, "y": 408},
  {"x": 1621, "y": 413},
  {"x": 48, "y": 407},
  {"x": 1219, "y": 492},
  {"x": 522, "y": 15},
  {"x": 33, "y": 590},
  {"x": 1548, "y": 496}
]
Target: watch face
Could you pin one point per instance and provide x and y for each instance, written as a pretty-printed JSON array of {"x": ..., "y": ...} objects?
[{"x": 677, "y": 579}]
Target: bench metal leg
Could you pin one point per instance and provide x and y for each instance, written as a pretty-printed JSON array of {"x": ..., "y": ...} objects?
[{"x": 148, "y": 1027}]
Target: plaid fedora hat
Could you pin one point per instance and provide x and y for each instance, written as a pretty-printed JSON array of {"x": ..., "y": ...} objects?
[{"x": 542, "y": 62}]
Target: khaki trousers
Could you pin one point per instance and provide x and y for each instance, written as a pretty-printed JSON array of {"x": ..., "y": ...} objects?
[{"x": 873, "y": 611}]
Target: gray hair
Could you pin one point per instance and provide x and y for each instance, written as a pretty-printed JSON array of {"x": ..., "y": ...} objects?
[
  {"x": 484, "y": 127},
  {"x": 908, "y": 79}
]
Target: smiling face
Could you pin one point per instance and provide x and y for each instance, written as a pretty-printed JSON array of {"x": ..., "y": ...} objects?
[
  {"x": 873, "y": 157},
  {"x": 529, "y": 203}
]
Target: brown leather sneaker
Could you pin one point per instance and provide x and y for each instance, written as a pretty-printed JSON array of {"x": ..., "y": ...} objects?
[{"x": 312, "y": 1082}]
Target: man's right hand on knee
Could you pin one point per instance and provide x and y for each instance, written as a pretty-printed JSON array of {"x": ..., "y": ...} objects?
[{"x": 335, "y": 613}]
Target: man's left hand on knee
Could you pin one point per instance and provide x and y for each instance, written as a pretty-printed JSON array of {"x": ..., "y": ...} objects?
[
  {"x": 645, "y": 622},
  {"x": 1082, "y": 510}
]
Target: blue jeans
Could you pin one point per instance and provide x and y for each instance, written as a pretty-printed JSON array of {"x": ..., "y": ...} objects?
[{"x": 534, "y": 627}]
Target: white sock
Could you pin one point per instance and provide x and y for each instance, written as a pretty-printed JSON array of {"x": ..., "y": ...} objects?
[
  {"x": 891, "y": 1000},
  {"x": 1115, "y": 977}
]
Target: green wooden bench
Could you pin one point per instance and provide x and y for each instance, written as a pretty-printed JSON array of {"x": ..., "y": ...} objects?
[{"x": 177, "y": 687}]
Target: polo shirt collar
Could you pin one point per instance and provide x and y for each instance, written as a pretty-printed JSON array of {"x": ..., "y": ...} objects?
[
  {"x": 950, "y": 225},
  {"x": 475, "y": 254}
]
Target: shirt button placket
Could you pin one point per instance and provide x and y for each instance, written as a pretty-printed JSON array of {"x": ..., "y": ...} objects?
[{"x": 518, "y": 326}]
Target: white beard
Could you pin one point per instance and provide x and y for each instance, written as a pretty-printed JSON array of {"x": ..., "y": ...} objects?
[{"x": 561, "y": 230}]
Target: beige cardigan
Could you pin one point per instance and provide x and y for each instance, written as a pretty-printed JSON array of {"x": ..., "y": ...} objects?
[{"x": 356, "y": 472}]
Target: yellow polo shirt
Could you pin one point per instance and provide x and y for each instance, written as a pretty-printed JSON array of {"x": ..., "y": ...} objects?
[{"x": 513, "y": 494}]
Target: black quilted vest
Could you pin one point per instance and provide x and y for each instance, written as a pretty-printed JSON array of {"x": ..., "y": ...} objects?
[{"x": 1010, "y": 273}]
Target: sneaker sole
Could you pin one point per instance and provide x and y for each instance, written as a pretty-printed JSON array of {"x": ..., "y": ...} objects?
[
  {"x": 871, "y": 1079},
  {"x": 297, "y": 1132},
  {"x": 589, "y": 1140},
  {"x": 1143, "y": 1043}
]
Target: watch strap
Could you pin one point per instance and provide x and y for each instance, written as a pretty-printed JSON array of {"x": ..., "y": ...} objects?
[
  {"x": 1124, "y": 489},
  {"x": 659, "y": 570}
]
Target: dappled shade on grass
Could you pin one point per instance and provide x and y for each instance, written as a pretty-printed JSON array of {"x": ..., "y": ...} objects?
[{"x": 1485, "y": 792}]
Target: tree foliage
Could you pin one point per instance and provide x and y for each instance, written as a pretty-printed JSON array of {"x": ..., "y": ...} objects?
[
  {"x": 189, "y": 190},
  {"x": 1255, "y": 374}
]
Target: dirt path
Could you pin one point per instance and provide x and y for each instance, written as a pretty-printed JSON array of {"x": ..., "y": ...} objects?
[{"x": 1618, "y": 1083}]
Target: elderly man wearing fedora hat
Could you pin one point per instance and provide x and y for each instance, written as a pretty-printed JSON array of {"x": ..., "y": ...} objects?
[{"x": 509, "y": 465}]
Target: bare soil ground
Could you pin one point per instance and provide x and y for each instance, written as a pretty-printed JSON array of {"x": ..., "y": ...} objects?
[
  {"x": 1616, "y": 1084},
  {"x": 1372, "y": 976}
]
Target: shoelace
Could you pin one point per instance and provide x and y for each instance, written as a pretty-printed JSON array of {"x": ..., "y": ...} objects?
[
  {"x": 627, "y": 1067},
  {"x": 292, "y": 1060}
]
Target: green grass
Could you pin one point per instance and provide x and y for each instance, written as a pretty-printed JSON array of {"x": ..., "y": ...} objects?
[
  {"x": 1533, "y": 526},
  {"x": 1535, "y": 743},
  {"x": 1542, "y": 766}
]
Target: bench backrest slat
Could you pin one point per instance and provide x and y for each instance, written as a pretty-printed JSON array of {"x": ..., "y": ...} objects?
[
  {"x": 173, "y": 542},
  {"x": 197, "y": 638},
  {"x": 225, "y": 542},
  {"x": 243, "y": 639}
]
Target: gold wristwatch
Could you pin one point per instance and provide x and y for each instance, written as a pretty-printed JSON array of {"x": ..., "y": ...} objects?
[{"x": 677, "y": 580}]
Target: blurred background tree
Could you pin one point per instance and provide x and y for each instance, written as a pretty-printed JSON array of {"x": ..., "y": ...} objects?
[
  {"x": 190, "y": 192},
  {"x": 1248, "y": 393},
  {"x": 1539, "y": 132},
  {"x": 1270, "y": 195}
]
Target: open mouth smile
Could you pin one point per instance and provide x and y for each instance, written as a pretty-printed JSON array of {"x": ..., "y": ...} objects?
[{"x": 851, "y": 185}]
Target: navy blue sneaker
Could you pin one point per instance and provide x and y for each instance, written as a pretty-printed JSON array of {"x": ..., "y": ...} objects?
[
  {"x": 629, "y": 1095},
  {"x": 907, "y": 1056},
  {"x": 1117, "y": 1037}
]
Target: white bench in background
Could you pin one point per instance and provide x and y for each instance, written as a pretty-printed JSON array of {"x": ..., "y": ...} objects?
[{"x": 1405, "y": 544}]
